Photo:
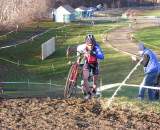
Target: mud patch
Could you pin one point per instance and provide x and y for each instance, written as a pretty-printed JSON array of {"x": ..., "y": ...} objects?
[{"x": 71, "y": 114}]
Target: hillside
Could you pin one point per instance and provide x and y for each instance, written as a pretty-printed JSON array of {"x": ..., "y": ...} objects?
[
  {"x": 74, "y": 114},
  {"x": 126, "y": 111}
]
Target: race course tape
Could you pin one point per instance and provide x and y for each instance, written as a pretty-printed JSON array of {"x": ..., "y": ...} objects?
[
  {"x": 26, "y": 65},
  {"x": 109, "y": 86},
  {"x": 100, "y": 89},
  {"x": 32, "y": 83},
  {"x": 6, "y": 34},
  {"x": 33, "y": 37}
]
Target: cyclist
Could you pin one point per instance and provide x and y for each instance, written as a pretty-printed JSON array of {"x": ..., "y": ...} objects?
[{"x": 91, "y": 53}]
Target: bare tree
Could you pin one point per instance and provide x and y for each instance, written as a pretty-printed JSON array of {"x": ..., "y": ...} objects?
[{"x": 13, "y": 12}]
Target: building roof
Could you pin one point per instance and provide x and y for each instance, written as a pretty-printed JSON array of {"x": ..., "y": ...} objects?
[
  {"x": 68, "y": 8},
  {"x": 91, "y": 9},
  {"x": 81, "y": 8}
]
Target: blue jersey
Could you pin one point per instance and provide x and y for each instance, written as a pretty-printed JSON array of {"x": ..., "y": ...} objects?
[
  {"x": 152, "y": 65},
  {"x": 98, "y": 52},
  {"x": 159, "y": 67}
]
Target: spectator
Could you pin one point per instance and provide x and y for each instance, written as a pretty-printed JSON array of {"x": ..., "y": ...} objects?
[
  {"x": 157, "y": 84},
  {"x": 150, "y": 63}
]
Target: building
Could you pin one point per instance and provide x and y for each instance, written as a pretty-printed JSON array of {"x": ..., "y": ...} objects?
[
  {"x": 64, "y": 14},
  {"x": 81, "y": 11}
]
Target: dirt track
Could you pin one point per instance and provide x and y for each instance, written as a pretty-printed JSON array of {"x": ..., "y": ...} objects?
[
  {"x": 122, "y": 39},
  {"x": 71, "y": 114}
]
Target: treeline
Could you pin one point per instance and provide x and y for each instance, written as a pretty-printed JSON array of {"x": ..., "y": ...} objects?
[
  {"x": 108, "y": 3},
  {"x": 19, "y": 12}
]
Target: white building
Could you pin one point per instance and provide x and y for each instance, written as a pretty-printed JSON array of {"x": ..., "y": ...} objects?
[
  {"x": 81, "y": 11},
  {"x": 64, "y": 14}
]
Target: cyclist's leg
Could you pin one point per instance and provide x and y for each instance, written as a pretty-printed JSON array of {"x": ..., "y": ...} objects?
[
  {"x": 85, "y": 78},
  {"x": 95, "y": 77},
  {"x": 82, "y": 81},
  {"x": 81, "y": 70}
]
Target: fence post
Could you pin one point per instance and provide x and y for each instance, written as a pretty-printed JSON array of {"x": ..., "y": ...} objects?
[
  {"x": 79, "y": 37},
  {"x": 101, "y": 83},
  {"x": 32, "y": 39},
  {"x": 50, "y": 83},
  {"x": 52, "y": 67},
  {"x": 28, "y": 83},
  {"x": 18, "y": 62}
]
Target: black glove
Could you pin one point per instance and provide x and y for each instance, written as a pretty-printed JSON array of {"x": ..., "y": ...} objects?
[{"x": 93, "y": 53}]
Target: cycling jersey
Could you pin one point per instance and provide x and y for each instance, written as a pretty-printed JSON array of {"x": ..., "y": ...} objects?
[{"x": 95, "y": 54}]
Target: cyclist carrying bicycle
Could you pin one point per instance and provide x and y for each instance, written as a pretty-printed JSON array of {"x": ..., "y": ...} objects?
[{"x": 91, "y": 53}]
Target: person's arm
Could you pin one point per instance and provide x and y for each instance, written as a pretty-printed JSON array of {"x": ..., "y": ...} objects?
[
  {"x": 145, "y": 60},
  {"x": 98, "y": 52},
  {"x": 80, "y": 52}
]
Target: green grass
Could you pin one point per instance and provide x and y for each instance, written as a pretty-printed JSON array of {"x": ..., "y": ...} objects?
[
  {"x": 113, "y": 69},
  {"x": 145, "y": 106},
  {"x": 27, "y": 32},
  {"x": 55, "y": 67},
  {"x": 127, "y": 98},
  {"x": 151, "y": 36},
  {"x": 153, "y": 12}
]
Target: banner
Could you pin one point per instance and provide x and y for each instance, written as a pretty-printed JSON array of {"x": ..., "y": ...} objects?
[{"x": 48, "y": 48}]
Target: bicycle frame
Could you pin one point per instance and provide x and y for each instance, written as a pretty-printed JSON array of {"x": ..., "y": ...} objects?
[
  {"x": 74, "y": 76},
  {"x": 71, "y": 81}
]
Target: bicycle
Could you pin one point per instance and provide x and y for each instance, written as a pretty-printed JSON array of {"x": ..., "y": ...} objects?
[
  {"x": 72, "y": 81},
  {"x": 74, "y": 74}
]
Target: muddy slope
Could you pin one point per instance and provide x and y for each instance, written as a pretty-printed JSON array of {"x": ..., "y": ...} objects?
[{"x": 71, "y": 114}]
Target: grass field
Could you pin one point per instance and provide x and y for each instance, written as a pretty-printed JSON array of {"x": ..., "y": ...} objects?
[
  {"x": 26, "y": 32},
  {"x": 113, "y": 69},
  {"x": 151, "y": 36},
  {"x": 55, "y": 67},
  {"x": 154, "y": 12}
]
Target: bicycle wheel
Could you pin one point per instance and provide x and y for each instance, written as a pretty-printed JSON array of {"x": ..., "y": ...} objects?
[{"x": 71, "y": 81}]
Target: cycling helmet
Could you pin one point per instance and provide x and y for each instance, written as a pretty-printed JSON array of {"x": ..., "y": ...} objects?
[{"x": 90, "y": 39}]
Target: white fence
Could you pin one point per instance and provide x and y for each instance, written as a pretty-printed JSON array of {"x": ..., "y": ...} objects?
[{"x": 48, "y": 48}]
